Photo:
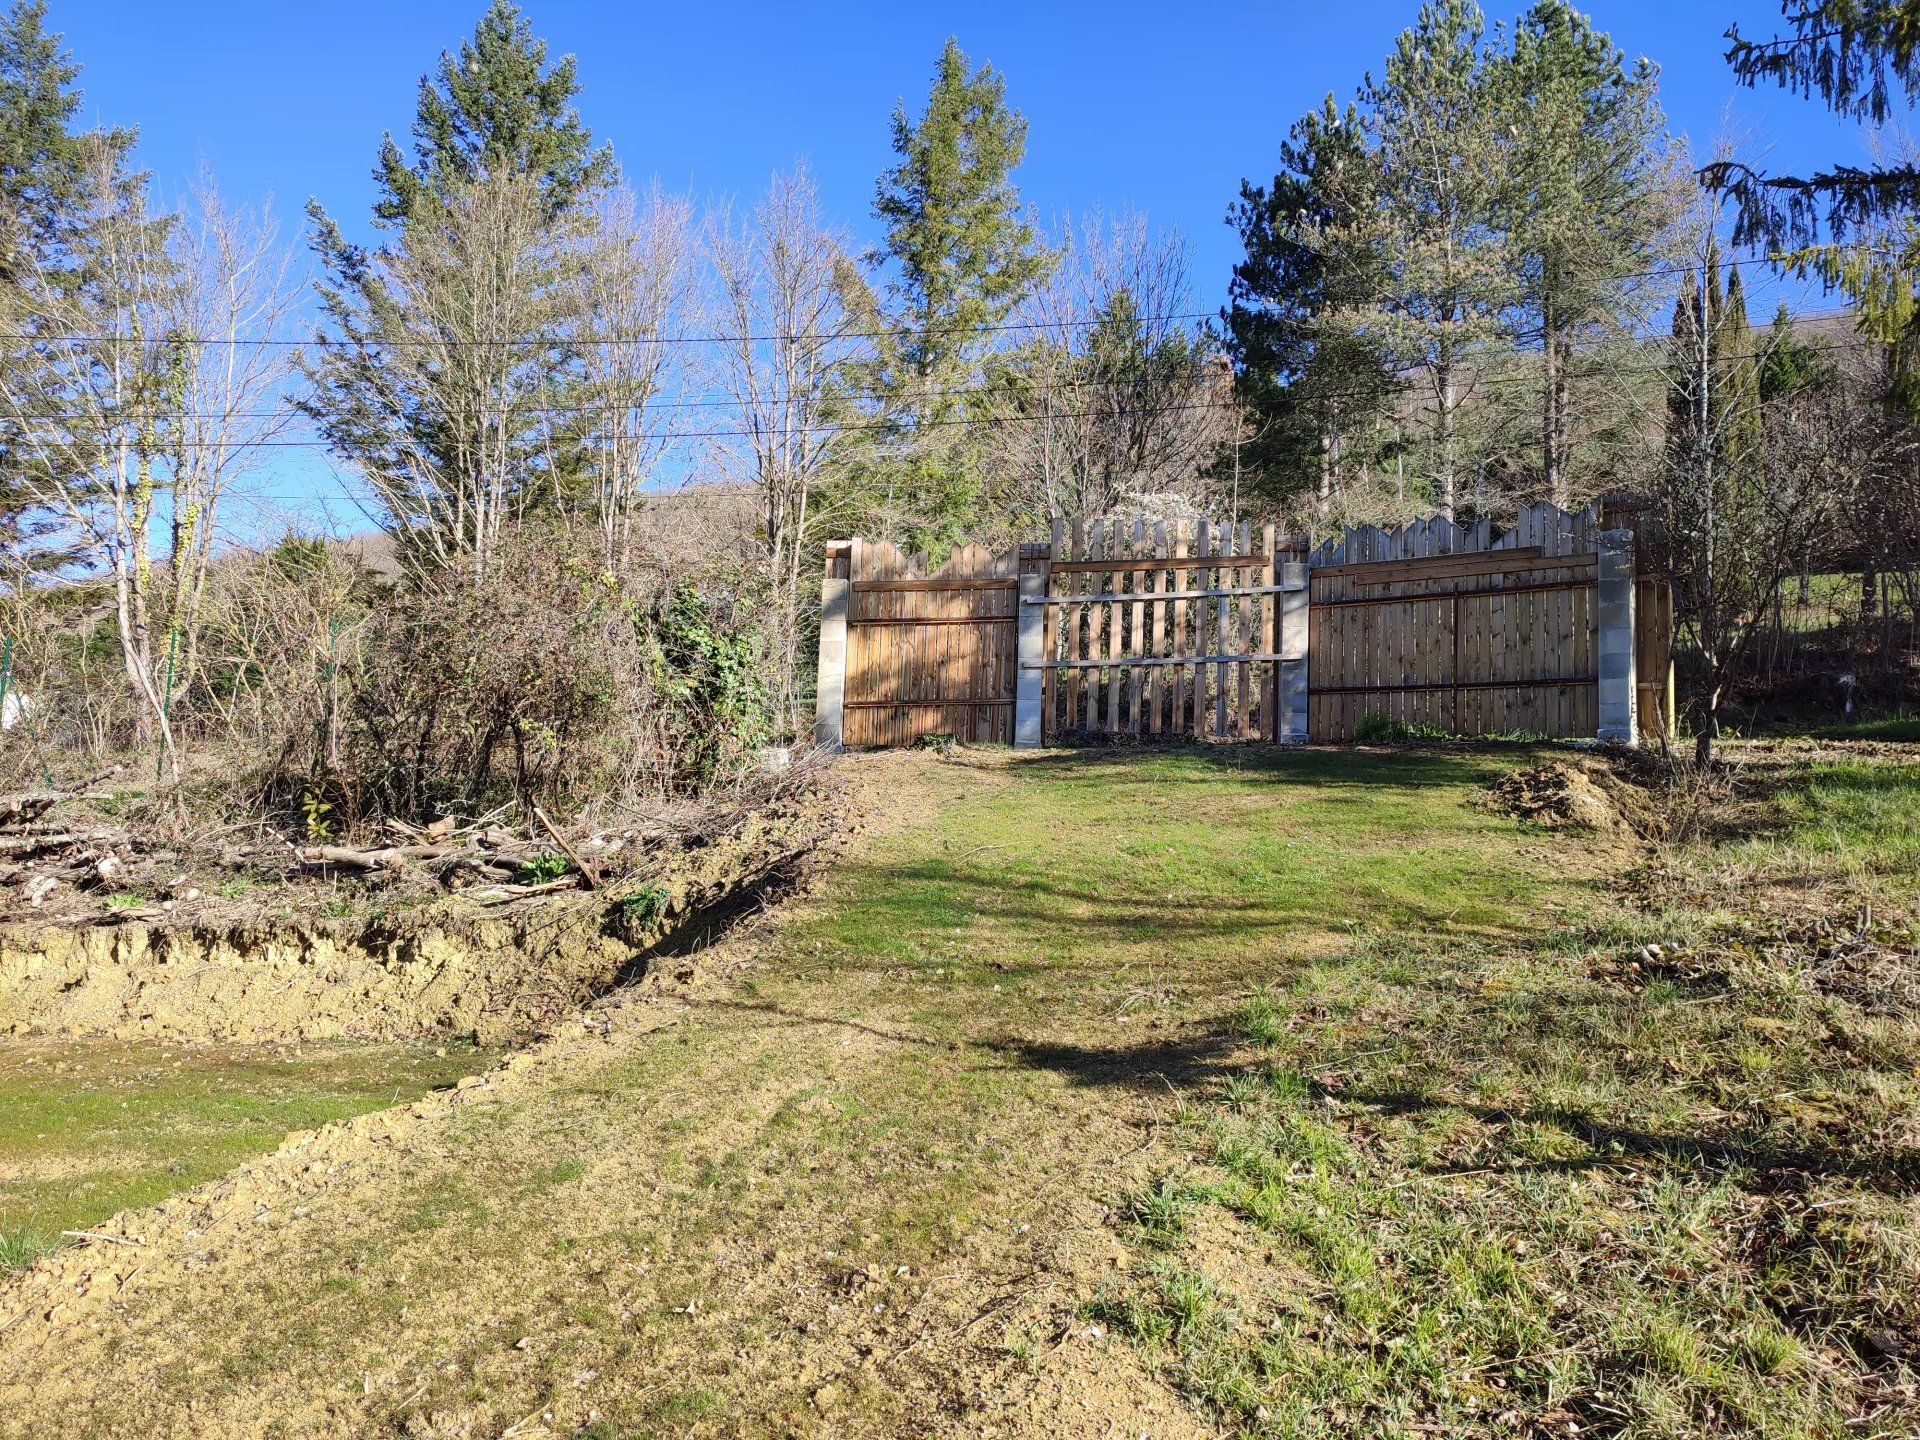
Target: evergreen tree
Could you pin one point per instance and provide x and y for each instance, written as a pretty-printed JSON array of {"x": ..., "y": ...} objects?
[
  {"x": 502, "y": 171},
  {"x": 1446, "y": 264},
  {"x": 1856, "y": 227},
  {"x": 962, "y": 258},
  {"x": 63, "y": 192},
  {"x": 43, "y": 159},
  {"x": 963, "y": 255},
  {"x": 1592, "y": 201},
  {"x": 496, "y": 107},
  {"x": 1308, "y": 382}
]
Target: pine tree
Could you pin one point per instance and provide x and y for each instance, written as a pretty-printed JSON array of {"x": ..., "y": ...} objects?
[
  {"x": 496, "y": 107},
  {"x": 1592, "y": 199},
  {"x": 1446, "y": 265},
  {"x": 43, "y": 159},
  {"x": 1308, "y": 381},
  {"x": 963, "y": 255},
  {"x": 61, "y": 189}
]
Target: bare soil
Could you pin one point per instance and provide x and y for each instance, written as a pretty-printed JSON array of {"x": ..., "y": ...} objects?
[
  {"x": 493, "y": 974},
  {"x": 717, "y": 1229}
]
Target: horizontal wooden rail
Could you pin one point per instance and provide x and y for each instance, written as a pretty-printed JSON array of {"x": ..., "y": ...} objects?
[
  {"x": 1141, "y": 597},
  {"x": 1313, "y": 689},
  {"x": 1448, "y": 596},
  {"x": 1458, "y": 567},
  {"x": 933, "y": 620},
  {"x": 921, "y": 704},
  {"x": 896, "y": 585},
  {"x": 1130, "y": 662},
  {"x": 1159, "y": 562}
]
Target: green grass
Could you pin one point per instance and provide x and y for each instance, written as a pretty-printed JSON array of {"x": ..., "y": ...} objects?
[
  {"x": 1901, "y": 728},
  {"x": 90, "y": 1127},
  {"x": 1487, "y": 1181}
]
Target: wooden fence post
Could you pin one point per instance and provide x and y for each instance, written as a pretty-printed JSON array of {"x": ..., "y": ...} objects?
[
  {"x": 1619, "y": 677},
  {"x": 1293, "y": 650},
  {"x": 1030, "y": 679},
  {"x": 830, "y": 692}
]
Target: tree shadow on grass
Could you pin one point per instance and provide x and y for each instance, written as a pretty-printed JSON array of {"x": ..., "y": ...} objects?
[{"x": 1413, "y": 766}]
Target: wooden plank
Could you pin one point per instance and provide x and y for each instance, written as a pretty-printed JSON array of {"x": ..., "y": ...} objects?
[
  {"x": 1194, "y": 563},
  {"x": 1135, "y": 644},
  {"x": 1051, "y": 636},
  {"x": 1116, "y": 681},
  {"x": 1175, "y": 660},
  {"x": 1441, "y": 686},
  {"x": 1157, "y": 620},
  {"x": 1203, "y": 547}
]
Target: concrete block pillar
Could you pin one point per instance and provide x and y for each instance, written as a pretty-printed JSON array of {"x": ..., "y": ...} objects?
[
  {"x": 1619, "y": 679},
  {"x": 1293, "y": 651},
  {"x": 1030, "y": 676},
  {"x": 830, "y": 693}
]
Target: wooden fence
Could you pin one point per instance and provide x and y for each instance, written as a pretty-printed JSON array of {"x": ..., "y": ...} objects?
[
  {"x": 1221, "y": 631},
  {"x": 1162, "y": 630}
]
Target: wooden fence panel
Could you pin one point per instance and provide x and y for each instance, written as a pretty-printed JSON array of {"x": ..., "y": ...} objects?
[
  {"x": 930, "y": 651},
  {"x": 1176, "y": 629},
  {"x": 1441, "y": 625}
]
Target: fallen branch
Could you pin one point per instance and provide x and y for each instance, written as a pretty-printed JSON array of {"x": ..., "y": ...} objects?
[{"x": 588, "y": 875}]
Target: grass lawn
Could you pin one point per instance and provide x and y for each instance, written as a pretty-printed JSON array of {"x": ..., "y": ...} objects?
[
  {"x": 90, "y": 1127},
  {"x": 1292, "y": 1085}
]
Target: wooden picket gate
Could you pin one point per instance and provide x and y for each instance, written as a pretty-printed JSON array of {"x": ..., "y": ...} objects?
[{"x": 1161, "y": 629}]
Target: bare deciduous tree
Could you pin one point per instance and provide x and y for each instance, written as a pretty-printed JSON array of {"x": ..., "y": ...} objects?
[
  {"x": 633, "y": 305},
  {"x": 795, "y": 310},
  {"x": 1115, "y": 396}
]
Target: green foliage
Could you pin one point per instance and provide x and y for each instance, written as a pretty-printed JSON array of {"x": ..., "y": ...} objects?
[
  {"x": 544, "y": 867},
  {"x": 501, "y": 174},
  {"x": 644, "y": 905},
  {"x": 19, "y": 1248},
  {"x": 496, "y": 107},
  {"x": 1374, "y": 728},
  {"x": 962, "y": 257},
  {"x": 963, "y": 254},
  {"x": 1307, "y": 381},
  {"x": 1485, "y": 197},
  {"x": 709, "y": 673}
]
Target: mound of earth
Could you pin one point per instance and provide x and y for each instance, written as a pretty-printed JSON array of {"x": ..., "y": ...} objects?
[
  {"x": 1556, "y": 795},
  {"x": 495, "y": 975}
]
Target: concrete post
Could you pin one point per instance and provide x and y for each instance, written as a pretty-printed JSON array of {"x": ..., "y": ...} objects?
[
  {"x": 1619, "y": 680},
  {"x": 1030, "y": 677},
  {"x": 1293, "y": 651},
  {"x": 829, "y": 705}
]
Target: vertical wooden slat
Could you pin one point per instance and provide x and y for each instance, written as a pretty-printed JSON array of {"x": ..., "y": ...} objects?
[
  {"x": 1157, "y": 619},
  {"x": 1135, "y": 636},
  {"x": 1202, "y": 547}
]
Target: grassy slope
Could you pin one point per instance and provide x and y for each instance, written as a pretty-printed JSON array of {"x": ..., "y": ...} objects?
[
  {"x": 88, "y": 1128},
  {"x": 1394, "y": 1142}
]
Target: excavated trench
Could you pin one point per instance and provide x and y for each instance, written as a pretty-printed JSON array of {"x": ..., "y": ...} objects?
[{"x": 448, "y": 968}]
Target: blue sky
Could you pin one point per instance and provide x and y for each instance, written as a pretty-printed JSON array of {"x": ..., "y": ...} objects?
[{"x": 1157, "y": 107}]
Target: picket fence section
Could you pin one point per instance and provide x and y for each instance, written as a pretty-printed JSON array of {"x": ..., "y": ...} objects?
[
  {"x": 1224, "y": 631},
  {"x": 1161, "y": 629}
]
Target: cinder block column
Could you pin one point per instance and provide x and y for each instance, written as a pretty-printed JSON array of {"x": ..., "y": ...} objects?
[
  {"x": 1030, "y": 678},
  {"x": 1293, "y": 651},
  {"x": 830, "y": 693},
  {"x": 1619, "y": 700}
]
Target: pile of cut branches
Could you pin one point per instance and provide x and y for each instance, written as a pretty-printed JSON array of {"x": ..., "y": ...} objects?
[{"x": 38, "y": 854}]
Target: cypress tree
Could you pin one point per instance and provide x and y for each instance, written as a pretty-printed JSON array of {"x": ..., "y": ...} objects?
[{"x": 964, "y": 257}]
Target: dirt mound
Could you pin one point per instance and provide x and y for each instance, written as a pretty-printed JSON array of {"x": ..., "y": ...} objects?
[
  {"x": 1556, "y": 795},
  {"x": 452, "y": 967}
]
